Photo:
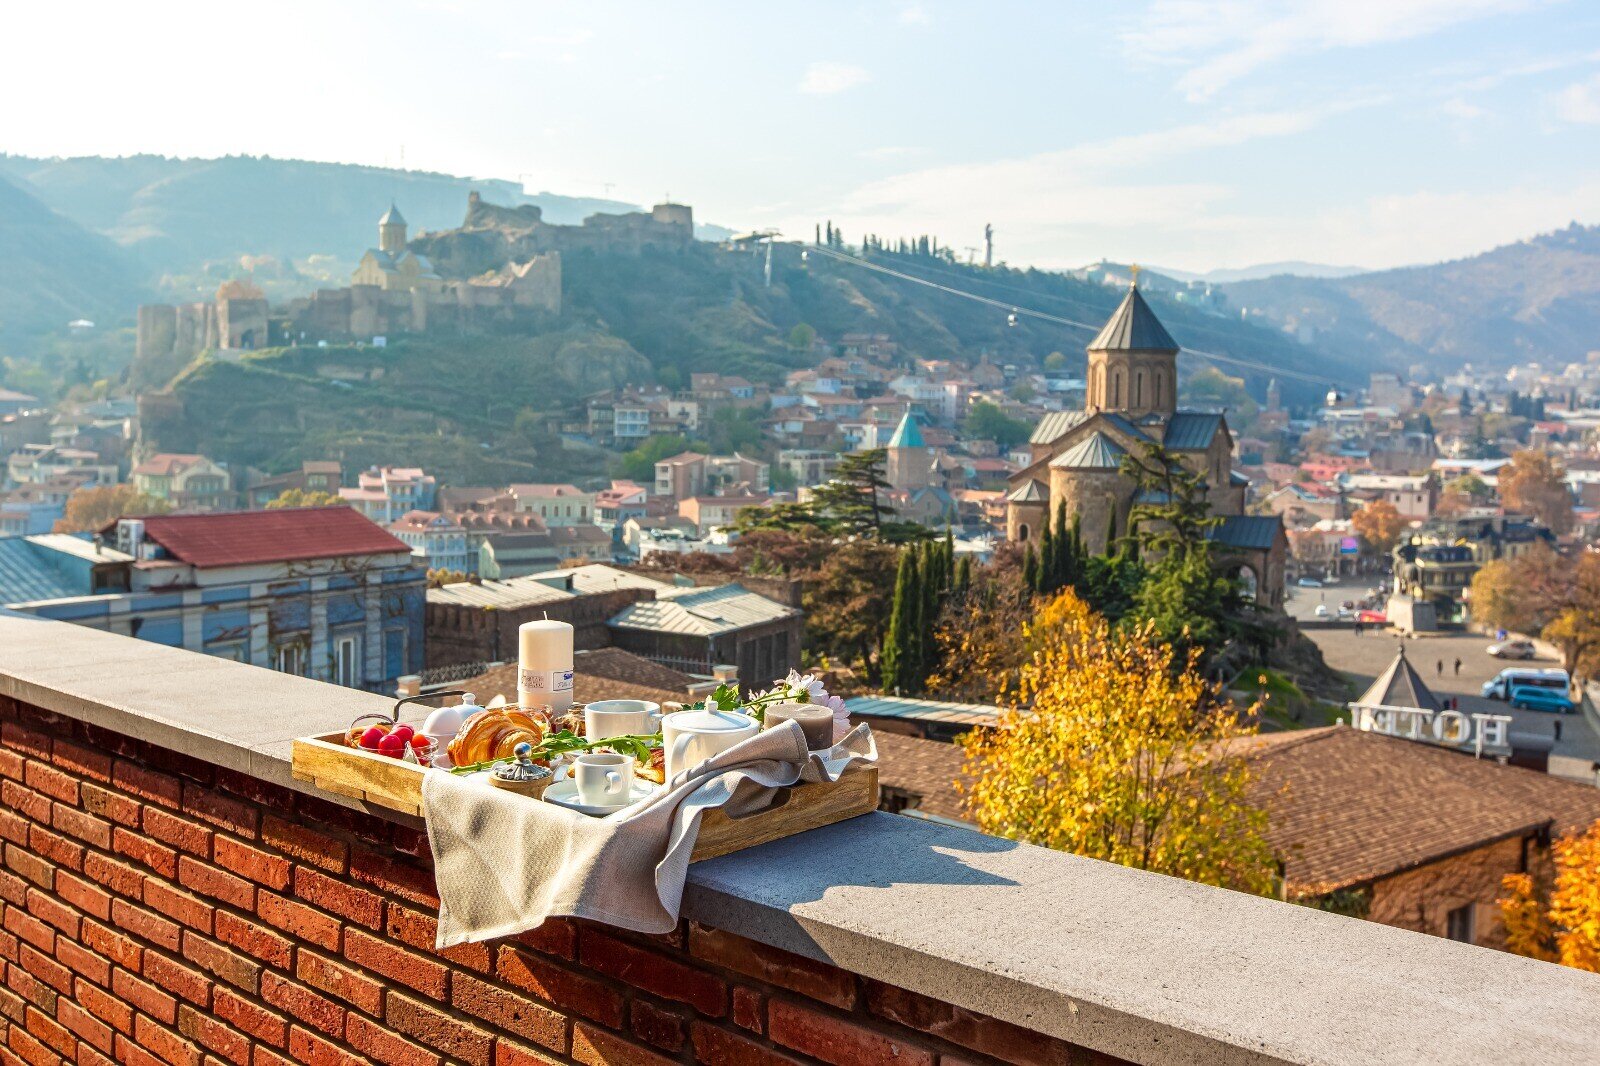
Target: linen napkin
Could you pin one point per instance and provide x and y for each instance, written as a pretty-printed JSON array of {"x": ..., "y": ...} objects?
[{"x": 505, "y": 863}]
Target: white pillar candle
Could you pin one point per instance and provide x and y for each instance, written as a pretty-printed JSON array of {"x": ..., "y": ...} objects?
[{"x": 544, "y": 665}]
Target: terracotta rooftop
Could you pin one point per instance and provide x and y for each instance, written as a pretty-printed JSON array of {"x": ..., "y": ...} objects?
[
  {"x": 166, "y": 463},
  {"x": 242, "y": 538},
  {"x": 601, "y": 674},
  {"x": 925, "y": 770},
  {"x": 1347, "y": 807}
]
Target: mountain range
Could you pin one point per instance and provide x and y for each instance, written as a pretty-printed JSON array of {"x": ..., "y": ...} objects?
[
  {"x": 91, "y": 237},
  {"x": 1535, "y": 300}
]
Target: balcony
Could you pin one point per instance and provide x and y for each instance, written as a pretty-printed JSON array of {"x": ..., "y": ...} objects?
[{"x": 169, "y": 888}]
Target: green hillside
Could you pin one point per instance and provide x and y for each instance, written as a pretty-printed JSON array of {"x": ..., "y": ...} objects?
[
  {"x": 53, "y": 271},
  {"x": 478, "y": 406},
  {"x": 475, "y": 409}
]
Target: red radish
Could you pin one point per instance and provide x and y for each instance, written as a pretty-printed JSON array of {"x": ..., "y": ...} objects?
[
  {"x": 373, "y": 737},
  {"x": 392, "y": 745}
]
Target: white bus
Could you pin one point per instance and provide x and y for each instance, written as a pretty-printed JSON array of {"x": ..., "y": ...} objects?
[{"x": 1499, "y": 687}]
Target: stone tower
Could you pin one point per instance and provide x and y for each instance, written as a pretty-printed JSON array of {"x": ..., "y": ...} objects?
[
  {"x": 1133, "y": 363},
  {"x": 909, "y": 464},
  {"x": 1274, "y": 396},
  {"x": 392, "y": 231}
]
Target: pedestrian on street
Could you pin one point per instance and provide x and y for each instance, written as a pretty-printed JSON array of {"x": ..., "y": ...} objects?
[
  {"x": 1440, "y": 668},
  {"x": 1458, "y": 666}
]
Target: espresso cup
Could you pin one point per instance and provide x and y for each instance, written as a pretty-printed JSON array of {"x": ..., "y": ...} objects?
[
  {"x": 620, "y": 718},
  {"x": 603, "y": 778}
]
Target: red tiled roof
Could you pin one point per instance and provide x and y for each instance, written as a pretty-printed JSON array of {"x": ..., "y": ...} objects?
[
  {"x": 166, "y": 463},
  {"x": 242, "y": 538}
]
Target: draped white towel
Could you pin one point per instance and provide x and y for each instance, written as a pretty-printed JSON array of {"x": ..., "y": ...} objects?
[{"x": 504, "y": 863}]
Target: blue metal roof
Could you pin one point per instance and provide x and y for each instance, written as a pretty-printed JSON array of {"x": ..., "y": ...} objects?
[
  {"x": 1192, "y": 431},
  {"x": 1255, "y": 532},
  {"x": 908, "y": 434},
  {"x": 26, "y": 574},
  {"x": 922, "y": 710}
]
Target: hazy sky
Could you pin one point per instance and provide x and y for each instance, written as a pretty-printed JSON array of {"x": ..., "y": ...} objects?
[{"x": 1185, "y": 133}]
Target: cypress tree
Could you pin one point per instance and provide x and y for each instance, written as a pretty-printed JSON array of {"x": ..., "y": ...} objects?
[
  {"x": 901, "y": 619},
  {"x": 933, "y": 587},
  {"x": 963, "y": 581},
  {"x": 1030, "y": 569},
  {"x": 1047, "y": 560},
  {"x": 1111, "y": 532},
  {"x": 1061, "y": 563},
  {"x": 949, "y": 557}
]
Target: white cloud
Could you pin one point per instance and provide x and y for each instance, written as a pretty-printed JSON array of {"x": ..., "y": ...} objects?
[
  {"x": 1461, "y": 110},
  {"x": 826, "y": 77},
  {"x": 1073, "y": 206},
  {"x": 913, "y": 14},
  {"x": 890, "y": 151},
  {"x": 1221, "y": 41},
  {"x": 1580, "y": 101}
]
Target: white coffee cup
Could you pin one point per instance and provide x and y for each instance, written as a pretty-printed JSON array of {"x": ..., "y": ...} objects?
[
  {"x": 620, "y": 718},
  {"x": 603, "y": 778}
]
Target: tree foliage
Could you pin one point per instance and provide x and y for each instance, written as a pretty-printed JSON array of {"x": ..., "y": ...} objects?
[
  {"x": 302, "y": 498},
  {"x": 89, "y": 510},
  {"x": 1564, "y": 925},
  {"x": 853, "y": 500},
  {"x": 986, "y": 421},
  {"x": 1535, "y": 483},
  {"x": 1549, "y": 594},
  {"x": 640, "y": 463},
  {"x": 1115, "y": 747},
  {"x": 1380, "y": 524}
]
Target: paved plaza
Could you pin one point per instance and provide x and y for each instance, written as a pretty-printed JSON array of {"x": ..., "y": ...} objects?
[{"x": 1363, "y": 658}]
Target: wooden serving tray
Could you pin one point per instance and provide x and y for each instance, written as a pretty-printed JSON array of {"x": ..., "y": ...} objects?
[{"x": 380, "y": 781}]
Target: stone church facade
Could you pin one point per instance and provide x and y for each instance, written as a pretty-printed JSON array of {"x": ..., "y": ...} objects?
[{"x": 1077, "y": 456}]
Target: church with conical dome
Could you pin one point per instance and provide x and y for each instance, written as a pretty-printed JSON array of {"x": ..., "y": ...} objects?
[{"x": 1132, "y": 400}]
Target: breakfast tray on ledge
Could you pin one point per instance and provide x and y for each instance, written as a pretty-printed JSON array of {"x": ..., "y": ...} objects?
[{"x": 377, "y": 780}]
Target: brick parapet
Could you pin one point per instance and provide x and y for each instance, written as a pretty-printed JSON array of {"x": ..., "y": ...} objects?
[{"x": 157, "y": 908}]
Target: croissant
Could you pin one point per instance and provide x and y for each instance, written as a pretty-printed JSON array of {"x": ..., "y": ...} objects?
[{"x": 495, "y": 735}]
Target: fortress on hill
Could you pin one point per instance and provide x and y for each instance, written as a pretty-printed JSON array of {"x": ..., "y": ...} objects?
[{"x": 502, "y": 264}]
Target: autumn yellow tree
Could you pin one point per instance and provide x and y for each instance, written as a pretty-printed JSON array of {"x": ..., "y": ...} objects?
[
  {"x": 1555, "y": 596},
  {"x": 1566, "y": 929},
  {"x": 89, "y": 510},
  {"x": 301, "y": 498},
  {"x": 1535, "y": 483},
  {"x": 1117, "y": 749},
  {"x": 1380, "y": 524}
]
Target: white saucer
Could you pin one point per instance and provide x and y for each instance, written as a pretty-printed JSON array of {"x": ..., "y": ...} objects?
[{"x": 564, "y": 793}]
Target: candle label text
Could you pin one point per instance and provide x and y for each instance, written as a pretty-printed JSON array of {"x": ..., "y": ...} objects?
[{"x": 544, "y": 680}]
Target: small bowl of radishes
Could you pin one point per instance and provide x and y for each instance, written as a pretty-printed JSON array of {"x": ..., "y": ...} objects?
[{"x": 397, "y": 742}]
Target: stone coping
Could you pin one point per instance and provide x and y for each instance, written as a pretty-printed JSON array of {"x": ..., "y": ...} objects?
[{"x": 1137, "y": 965}]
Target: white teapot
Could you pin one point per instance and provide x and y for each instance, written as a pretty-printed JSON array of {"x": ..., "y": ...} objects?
[{"x": 692, "y": 737}]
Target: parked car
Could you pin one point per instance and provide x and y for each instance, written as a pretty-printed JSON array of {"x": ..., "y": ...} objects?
[
  {"x": 1309, "y": 583},
  {"x": 1514, "y": 649},
  {"x": 1322, "y": 610},
  {"x": 1346, "y": 612},
  {"x": 1501, "y": 685},
  {"x": 1528, "y": 698}
]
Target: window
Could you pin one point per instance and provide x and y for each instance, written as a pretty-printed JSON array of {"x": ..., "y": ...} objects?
[
  {"x": 1458, "y": 925},
  {"x": 290, "y": 659},
  {"x": 347, "y": 661}
]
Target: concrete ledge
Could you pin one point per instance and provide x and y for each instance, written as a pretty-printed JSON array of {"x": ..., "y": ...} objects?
[{"x": 1136, "y": 965}]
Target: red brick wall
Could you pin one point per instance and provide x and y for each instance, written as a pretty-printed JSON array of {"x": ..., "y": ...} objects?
[{"x": 158, "y": 909}]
